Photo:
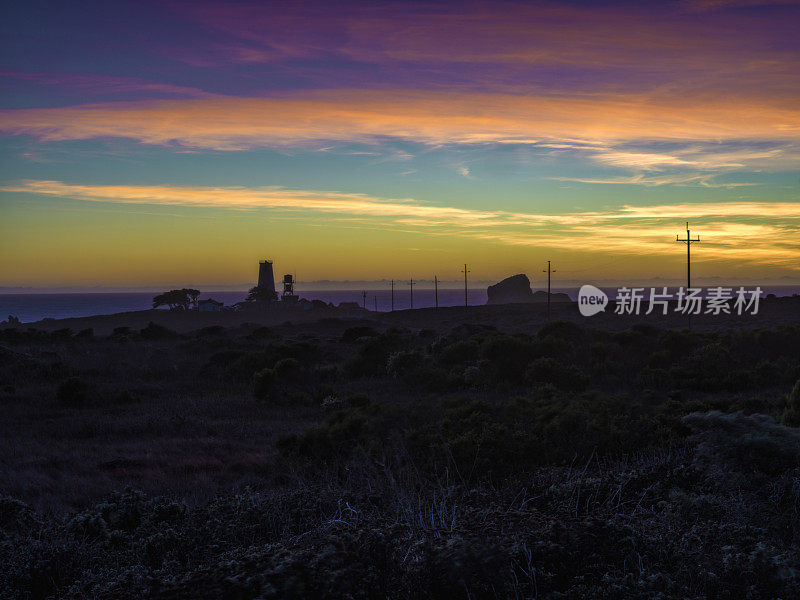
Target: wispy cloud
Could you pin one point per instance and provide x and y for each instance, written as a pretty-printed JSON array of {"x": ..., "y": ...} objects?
[
  {"x": 105, "y": 84},
  {"x": 704, "y": 180},
  {"x": 749, "y": 232}
]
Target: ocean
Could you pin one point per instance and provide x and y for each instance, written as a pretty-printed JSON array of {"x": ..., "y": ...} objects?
[{"x": 35, "y": 307}]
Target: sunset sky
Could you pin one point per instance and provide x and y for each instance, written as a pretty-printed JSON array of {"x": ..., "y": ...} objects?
[{"x": 178, "y": 143}]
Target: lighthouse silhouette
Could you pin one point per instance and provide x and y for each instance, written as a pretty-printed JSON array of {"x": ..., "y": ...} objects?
[{"x": 266, "y": 279}]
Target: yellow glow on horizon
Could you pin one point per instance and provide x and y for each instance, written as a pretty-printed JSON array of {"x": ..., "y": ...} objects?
[{"x": 219, "y": 233}]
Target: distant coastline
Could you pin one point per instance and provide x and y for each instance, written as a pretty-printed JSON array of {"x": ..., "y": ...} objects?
[{"x": 32, "y": 307}]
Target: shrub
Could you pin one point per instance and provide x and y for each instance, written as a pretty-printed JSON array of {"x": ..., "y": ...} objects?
[
  {"x": 506, "y": 356},
  {"x": 14, "y": 515},
  {"x": 286, "y": 369},
  {"x": 73, "y": 392},
  {"x": 154, "y": 331},
  {"x": 260, "y": 333},
  {"x": 211, "y": 330},
  {"x": 404, "y": 364},
  {"x": 264, "y": 384},
  {"x": 239, "y": 364},
  {"x": 327, "y": 373},
  {"x": 351, "y": 334},
  {"x": 481, "y": 439},
  {"x": 373, "y": 355},
  {"x": 743, "y": 444},
  {"x": 458, "y": 353},
  {"x": 563, "y": 330},
  {"x": 124, "y": 397},
  {"x": 791, "y": 416},
  {"x": 562, "y": 376}
]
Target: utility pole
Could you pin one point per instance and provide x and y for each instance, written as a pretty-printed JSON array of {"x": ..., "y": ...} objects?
[
  {"x": 375, "y": 299},
  {"x": 392, "y": 295},
  {"x": 548, "y": 271},
  {"x": 364, "y": 298},
  {"x": 435, "y": 291},
  {"x": 411, "y": 283},
  {"x": 688, "y": 241},
  {"x": 466, "y": 297}
]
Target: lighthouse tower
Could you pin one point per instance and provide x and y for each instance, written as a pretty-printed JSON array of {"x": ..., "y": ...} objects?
[{"x": 265, "y": 277}]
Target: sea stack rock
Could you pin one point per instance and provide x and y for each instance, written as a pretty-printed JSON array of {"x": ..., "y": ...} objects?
[{"x": 511, "y": 290}]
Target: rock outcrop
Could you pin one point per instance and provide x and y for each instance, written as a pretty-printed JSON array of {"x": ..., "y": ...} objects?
[
  {"x": 517, "y": 289},
  {"x": 511, "y": 290}
]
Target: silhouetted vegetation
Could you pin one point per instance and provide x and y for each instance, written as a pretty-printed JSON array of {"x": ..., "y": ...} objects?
[
  {"x": 357, "y": 460},
  {"x": 181, "y": 299}
]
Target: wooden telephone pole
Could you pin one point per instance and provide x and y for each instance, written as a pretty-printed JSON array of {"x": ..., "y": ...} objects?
[
  {"x": 466, "y": 296},
  {"x": 548, "y": 271},
  {"x": 688, "y": 241}
]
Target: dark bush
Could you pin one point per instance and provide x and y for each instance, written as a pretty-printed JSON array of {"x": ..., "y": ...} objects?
[
  {"x": 563, "y": 330},
  {"x": 404, "y": 364},
  {"x": 327, "y": 373},
  {"x": 506, "y": 356},
  {"x": 482, "y": 439},
  {"x": 154, "y": 331},
  {"x": 458, "y": 353},
  {"x": 124, "y": 397},
  {"x": 260, "y": 333},
  {"x": 211, "y": 330},
  {"x": 744, "y": 444},
  {"x": 286, "y": 369},
  {"x": 351, "y": 334},
  {"x": 241, "y": 365},
  {"x": 373, "y": 355},
  {"x": 264, "y": 385},
  {"x": 73, "y": 392},
  {"x": 791, "y": 416},
  {"x": 562, "y": 376}
]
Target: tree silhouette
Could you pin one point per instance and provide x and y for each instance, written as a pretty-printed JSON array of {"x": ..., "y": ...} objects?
[
  {"x": 193, "y": 294},
  {"x": 261, "y": 295},
  {"x": 176, "y": 299}
]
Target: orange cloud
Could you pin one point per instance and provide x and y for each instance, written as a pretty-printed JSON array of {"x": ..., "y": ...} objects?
[{"x": 428, "y": 117}]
